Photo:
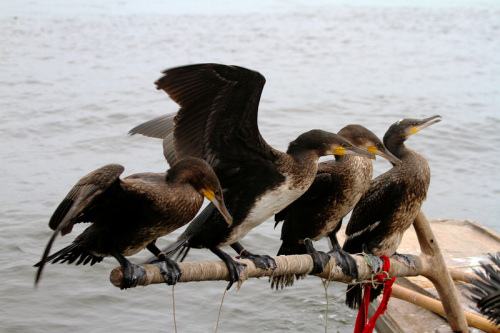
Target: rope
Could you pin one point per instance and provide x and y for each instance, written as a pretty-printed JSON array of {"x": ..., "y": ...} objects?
[
  {"x": 363, "y": 324},
  {"x": 220, "y": 310},
  {"x": 326, "y": 284},
  {"x": 173, "y": 308}
]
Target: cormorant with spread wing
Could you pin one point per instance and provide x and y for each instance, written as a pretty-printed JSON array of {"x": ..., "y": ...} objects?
[
  {"x": 392, "y": 202},
  {"x": 319, "y": 212},
  {"x": 129, "y": 214},
  {"x": 217, "y": 121}
]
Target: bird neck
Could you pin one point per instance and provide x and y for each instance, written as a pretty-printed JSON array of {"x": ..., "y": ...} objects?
[{"x": 397, "y": 148}]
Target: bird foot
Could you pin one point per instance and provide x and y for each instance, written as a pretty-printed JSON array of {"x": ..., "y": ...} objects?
[
  {"x": 406, "y": 259},
  {"x": 374, "y": 262},
  {"x": 170, "y": 271},
  {"x": 320, "y": 260},
  {"x": 345, "y": 261},
  {"x": 235, "y": 269},
  {"x": 132, "y": 274},
  {"x": 261, "y": 261}
]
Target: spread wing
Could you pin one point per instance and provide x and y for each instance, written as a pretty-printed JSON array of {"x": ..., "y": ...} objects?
[
  {"x": 162, "y": 128},
  {"x": 73, "y": 207},
  {"x": 217, "y": 120},
  {"x": 371, "y": 215},
  {"x": 158, "y": 127},
  {"x": 82, "y": 196}
]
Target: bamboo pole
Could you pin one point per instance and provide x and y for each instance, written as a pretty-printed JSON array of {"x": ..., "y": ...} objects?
[
  {"x": 429, "y": 303},
  {"x": 293, "y": 264},
  {"x": 439, "y": 275}
]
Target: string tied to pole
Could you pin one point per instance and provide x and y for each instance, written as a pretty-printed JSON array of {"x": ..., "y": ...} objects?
[{"x": 363, "y": 323}]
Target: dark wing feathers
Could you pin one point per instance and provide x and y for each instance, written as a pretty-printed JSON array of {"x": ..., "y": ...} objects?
[
  {"x": 169, "y": 149},
  {"x": 69, "y": 211},
  {"x": 158, "y": 127},
  {"x": 81, "y": 196},
  {"x": 218, "y": 115},
  {"x": 373, "y": 211},
  {"x": 321, "y": 186}
]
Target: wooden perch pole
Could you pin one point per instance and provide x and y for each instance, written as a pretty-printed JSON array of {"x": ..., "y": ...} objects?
[
  {"x": 293, "y": 264},
  {"x": 439, "y": 275},
  {"x": 430, "y": 263}
]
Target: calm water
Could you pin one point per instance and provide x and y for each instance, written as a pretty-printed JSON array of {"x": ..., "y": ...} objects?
[{"x": 75, "y": 78}]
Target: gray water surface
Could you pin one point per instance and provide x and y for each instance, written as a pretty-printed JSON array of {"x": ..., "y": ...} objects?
[{"x": 76, "y": 76}]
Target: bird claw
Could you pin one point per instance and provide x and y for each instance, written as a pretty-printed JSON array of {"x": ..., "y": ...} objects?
[
  {"x": 346, "y": 262},
  {"x": 235, "y": 269},
  {"x": 260, "y": 261},
  {"x": 320, "y": 260},
  {"x": 405, "y": 259},
  {"x": 170, "y": 271},
  {"x": 132, "y": 274}
]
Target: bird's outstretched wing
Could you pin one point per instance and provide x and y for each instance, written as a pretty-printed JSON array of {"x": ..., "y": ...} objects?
[
  {"x": 80, "y": 198},
  {"x": 82, "y": 195},
  {"x": 158, "y": 127},
  {"x": 217, "y": 120},
  {"x": 162, "y": 128}
]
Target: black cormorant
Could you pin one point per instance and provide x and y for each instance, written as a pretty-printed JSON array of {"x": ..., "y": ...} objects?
[
  {"x": 217, "y": 121},
  {"x": 129, "y": 214},
  {"x": 319, "y": 211},
  {"x": 392, "y": 202}
]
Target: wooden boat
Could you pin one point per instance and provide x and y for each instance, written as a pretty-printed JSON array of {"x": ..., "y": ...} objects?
[{"x": 463, "y": 244}]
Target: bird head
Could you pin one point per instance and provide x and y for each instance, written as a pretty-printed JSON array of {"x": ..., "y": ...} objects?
[
  {"x": 325, "y": 143},
  {"x": 364, "y": 138},
  {"x": 200, "y": 175}
]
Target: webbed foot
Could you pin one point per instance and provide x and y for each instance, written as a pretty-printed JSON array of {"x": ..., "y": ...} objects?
[
  {"x": 170, "y": 271},
  {"x": 320, "y": 258},
  {"x": 345, "y": 261},
  {"x": 261, "y": 261},
  {"x": 132, "y": 274},
  {"x": 235, "y": 268}
]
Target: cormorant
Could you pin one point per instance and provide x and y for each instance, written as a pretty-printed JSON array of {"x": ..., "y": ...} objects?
[
  {"x": 485, "y": 290},
  {"x": 319, "y": 211},
  {"x": 392, "y": 202},
  {"x": 217, "y": 121},
  {"x": 129, "y": 214}
]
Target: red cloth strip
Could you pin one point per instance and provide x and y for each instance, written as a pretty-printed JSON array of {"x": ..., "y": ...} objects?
[{"x": 363, "y": 324}]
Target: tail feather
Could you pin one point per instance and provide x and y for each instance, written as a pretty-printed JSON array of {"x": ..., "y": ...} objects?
[
  {"x": 353, "y": 296},
  {"x": 69, "y": 254}
]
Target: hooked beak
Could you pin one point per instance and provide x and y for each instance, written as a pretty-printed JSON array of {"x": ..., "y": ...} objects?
[
  {"x": 219, "y": 204},
  {"x": 350, "y": 150},
  {"x": 423, "y": 124},
  {"x": 387, "y": 155},
  {"x": 347, "y": 148}
]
